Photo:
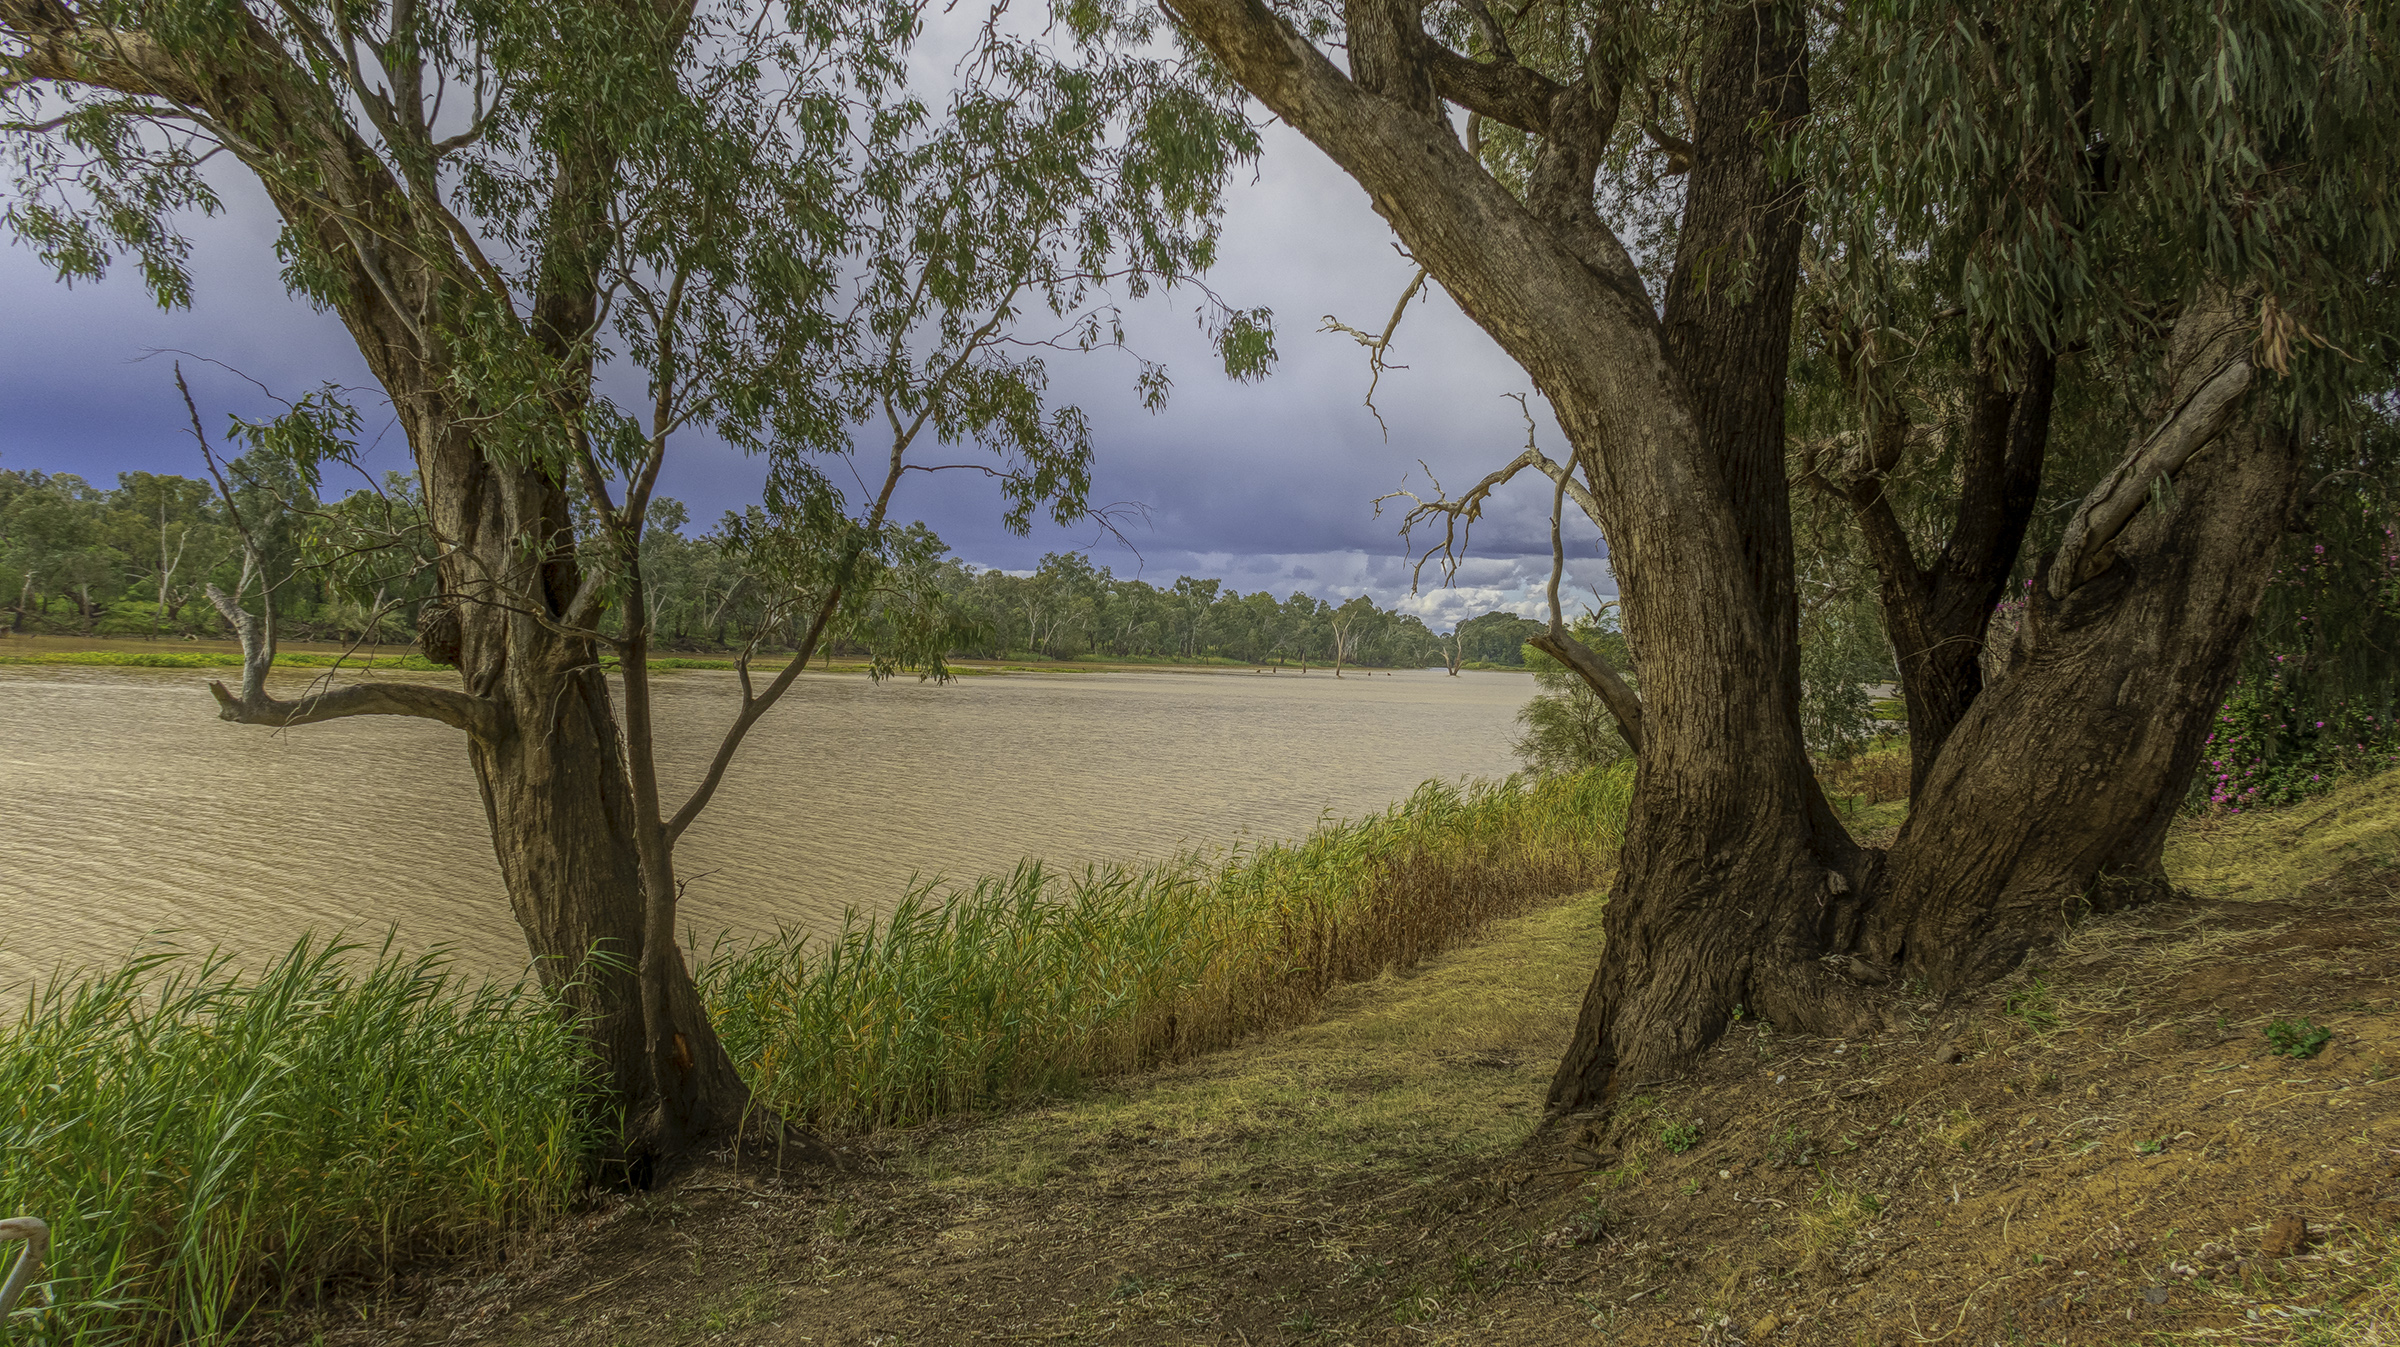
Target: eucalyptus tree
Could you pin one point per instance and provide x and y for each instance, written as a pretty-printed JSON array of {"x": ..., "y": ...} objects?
[
  {"x": 2200, "y": 197},
  {"x": 158, "y": 520},
  {"x": 740, "y": 209}
]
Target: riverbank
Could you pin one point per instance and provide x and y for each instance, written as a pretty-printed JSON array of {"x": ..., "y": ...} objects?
[
  {"x": 111, "y": 652},
  {"x": 2131, "y": 1140},
  {"x": 210, "y": 1145}
]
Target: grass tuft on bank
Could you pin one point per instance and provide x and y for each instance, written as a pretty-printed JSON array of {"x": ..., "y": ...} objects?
[
  {"x": 204, "y": 1142},
  {"x": 1016, "y": 985}
]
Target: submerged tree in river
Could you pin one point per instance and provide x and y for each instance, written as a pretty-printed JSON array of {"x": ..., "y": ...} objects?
[
  {"x": 2191, "y": 206},
  {"x": 744, "y": 209}
]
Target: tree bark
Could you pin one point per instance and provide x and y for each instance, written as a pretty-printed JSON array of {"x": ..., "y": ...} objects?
[
  {"x": 1936, "y": 614},
  {"x": 2054, "y": 794}
]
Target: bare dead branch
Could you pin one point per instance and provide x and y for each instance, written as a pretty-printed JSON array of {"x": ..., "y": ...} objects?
[
  {"x": 1624, "y": 706},
  {"x": 1459, "y": 516},
  {"x": 1379, "y": 346},
  {"x": 483, "y": 719}
]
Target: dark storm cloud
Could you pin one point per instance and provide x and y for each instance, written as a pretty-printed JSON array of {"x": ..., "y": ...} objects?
[{"x": 1269, "y": 485}]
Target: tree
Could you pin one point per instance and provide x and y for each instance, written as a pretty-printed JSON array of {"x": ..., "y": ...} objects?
[
  {"x": 169, "y": 514},
  {"x": 1194, "y": 599},
  {"x": 1454, "y": 648},
  {"x": 1497, "y": 637},
  {"x": 744, "y": 209},
  {"x": 2190, "y": 199},
  {"x": 1348, "y": 624}
]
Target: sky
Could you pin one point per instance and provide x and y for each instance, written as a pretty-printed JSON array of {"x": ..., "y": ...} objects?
[{"x": 1267, "y": 486}]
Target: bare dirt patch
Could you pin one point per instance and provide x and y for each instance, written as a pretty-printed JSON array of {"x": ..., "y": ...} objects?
[{"x": 2107, "y": 1148}]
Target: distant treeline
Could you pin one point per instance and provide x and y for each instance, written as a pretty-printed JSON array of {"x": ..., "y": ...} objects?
[{"x": 135, "y": 561}]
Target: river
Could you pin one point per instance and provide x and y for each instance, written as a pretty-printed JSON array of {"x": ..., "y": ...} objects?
[{"x": 132, "y": 811}]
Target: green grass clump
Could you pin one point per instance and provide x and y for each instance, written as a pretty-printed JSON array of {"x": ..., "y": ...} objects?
[
  {"x": 2300, "y": 1038},
  {"x": 203, "y": 1143},
  {"x": 2034, "y": 1004},
  {"x": 1015, "y": 985}
]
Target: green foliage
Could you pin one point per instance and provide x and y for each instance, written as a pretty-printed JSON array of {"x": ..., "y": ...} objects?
[
  {"x": 134, "y": 560},
  {"x": 1842, "y": 649},
  {"x": 1068, "y": 608},
  {"x": 2060, "y": 170},
  {"x": 356, "y": 569},
  {"x": 768, "y": 233},
  {"x": 2320, "y": 679},
  {"x": 215, "y": 659},
  {"x": 1679, "y": 1136},
  {"x": 203, "y": 1142},
  {"x": 2299, "y": 1039},
  {"x": 1496, "y": 638},
  {"x": 1566, "y": 727},
  {"x": 985, "y": 992},
  {"x": 2266, "y": 750}
]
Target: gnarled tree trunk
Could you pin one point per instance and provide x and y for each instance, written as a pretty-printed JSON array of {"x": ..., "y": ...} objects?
[
  {"x": 2055, "y": 793},
  {"x": 1737, "y": 885}
]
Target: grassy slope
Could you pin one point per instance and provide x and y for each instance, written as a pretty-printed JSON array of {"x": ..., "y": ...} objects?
[{"x": 2067, "y": 1159}]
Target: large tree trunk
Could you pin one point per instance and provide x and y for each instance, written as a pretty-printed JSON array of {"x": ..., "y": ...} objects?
[
  {"x": 565, "y": 816},
  {"x": 1735, "y": 877},
  {"x": 2055, "y": 792}
]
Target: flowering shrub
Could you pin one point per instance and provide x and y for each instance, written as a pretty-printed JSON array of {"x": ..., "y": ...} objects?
[
  {"x": 2316, "y": 698},
  {"x": 2266, "y": 750}
]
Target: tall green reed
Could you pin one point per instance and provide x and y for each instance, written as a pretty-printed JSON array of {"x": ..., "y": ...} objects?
[
  {"x": 204, "y": 1142},
  {"x": 970, "y": 995}
]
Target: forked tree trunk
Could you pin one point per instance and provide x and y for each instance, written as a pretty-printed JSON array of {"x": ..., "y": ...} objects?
[
  {"x": 1937, "y": 614},
  {"x": 562, "y": 806},
  {"x": 2054, "y": 794}
]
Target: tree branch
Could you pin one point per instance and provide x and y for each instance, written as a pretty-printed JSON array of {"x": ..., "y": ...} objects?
[
  {"x": 1588, "y": 664},
  {"x": 1388, "y": 47},
  {"x": 1459, "y": 515},
  {"x": 483, "y": 719},
  {"x": 2214, "y": 371},
  {"x": 1501, "y": 90},
  {"x": 1379, "y": 347}
]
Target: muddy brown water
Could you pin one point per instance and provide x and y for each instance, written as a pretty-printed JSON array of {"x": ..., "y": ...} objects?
[{"x": 130, "y": 810}]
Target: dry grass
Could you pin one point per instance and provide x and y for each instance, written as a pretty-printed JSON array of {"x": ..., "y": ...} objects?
[
  {"x": 2278, "y": 853},
  {"x": 1872, "y": 776}
]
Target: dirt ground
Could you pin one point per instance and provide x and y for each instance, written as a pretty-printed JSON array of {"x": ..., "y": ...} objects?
[{"x": 2108, "y": 1148}]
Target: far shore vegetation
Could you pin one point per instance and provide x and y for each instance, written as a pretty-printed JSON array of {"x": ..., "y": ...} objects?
[
  {"x": 67, "y": 651},
  {"x": 132, "y": 562}
]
